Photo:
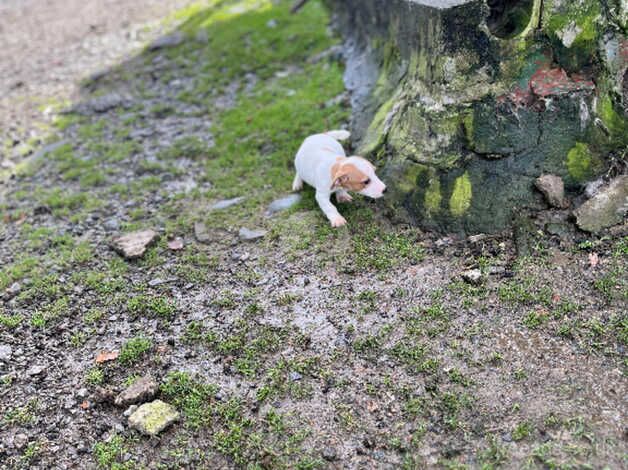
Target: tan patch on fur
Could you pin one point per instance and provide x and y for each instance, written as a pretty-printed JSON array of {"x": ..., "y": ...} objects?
[{"x": 348, "y": 176}]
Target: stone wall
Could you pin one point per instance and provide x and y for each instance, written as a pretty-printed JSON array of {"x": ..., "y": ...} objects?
[{"x": 466, "y": 102}]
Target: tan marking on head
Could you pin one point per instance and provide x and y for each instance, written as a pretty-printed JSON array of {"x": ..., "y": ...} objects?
[{"x": 347, "y": 176}]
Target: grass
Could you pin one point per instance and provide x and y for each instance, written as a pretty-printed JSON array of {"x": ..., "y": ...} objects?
[
  {"x": 152, "y": 305},
  {"x": 134, "y": 350}
]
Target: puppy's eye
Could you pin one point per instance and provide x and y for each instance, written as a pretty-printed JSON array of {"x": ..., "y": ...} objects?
[{"x": 367, "y": 182}]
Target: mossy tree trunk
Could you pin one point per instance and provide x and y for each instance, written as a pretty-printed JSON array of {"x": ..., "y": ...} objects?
[{"x": 466, "y": 102}]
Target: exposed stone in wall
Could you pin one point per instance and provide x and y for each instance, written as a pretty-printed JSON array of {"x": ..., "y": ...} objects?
[{"x": 467, "y": 102}]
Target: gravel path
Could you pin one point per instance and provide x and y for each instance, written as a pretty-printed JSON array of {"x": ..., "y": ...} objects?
[{"x": 48, "y": 46}]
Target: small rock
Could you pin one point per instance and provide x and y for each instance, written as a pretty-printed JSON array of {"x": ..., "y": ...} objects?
[
  {"x": 111, "y": 224},
  {"x": 607, "y": 208},
  {"x": 104, "y": 395},
  {"x": 200, "y": 232},
  {"x": 20, "y": 440},
  {"x": 225, "y": 203},
  {"x": 236, "y": 256},
  {"x": 553, "y": 189},
  {"x": 156, "y": 282},
  {"x": 152, "y": 418},
  {"x": 143, "y": 389},
  {"x": 329, "y": 454},
  {"x": 472, "y": 276},
  {"x": 102, "y": 104},
  {"x": 477, "y": 238},
  {"x": 13, "y": 290},
  {"x": 283, "y": 204},
  {"x": 36, "y": 370},
  {"x": 495, "y": 270},
  {"x": 176, "y": 244},
  {"x": 134, "y": 244},
  {"x": 5, "y": 352},
  {"x": 251, "y": 235},
  {"x": 295, "y": 376},
  {"x": 169, "y": 40}
]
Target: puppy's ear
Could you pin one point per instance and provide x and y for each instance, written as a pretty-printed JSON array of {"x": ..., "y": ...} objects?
[{"x": 339, "y": 176}]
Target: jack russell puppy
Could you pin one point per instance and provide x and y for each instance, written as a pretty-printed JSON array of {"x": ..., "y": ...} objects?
[{"x": 322, "y": 163}]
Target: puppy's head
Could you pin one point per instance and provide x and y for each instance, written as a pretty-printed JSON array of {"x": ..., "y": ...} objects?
[{"x": 358, "y": 175}]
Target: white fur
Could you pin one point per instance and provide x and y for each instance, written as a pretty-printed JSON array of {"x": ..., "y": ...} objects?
[{"x": 314, "y": 161}]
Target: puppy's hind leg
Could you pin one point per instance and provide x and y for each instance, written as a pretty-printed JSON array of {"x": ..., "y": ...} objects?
[{"x": 297, "y": 184}]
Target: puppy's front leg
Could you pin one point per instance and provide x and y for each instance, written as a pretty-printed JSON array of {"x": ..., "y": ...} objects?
[{"x": 329, "y": 209}]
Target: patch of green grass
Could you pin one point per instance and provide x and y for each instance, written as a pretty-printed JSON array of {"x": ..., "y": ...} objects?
[
  {"x": 50, "y": 312},
  {"x": 225, "y": 300},
  {"x": 186, "y": 147},
  {"x": 379, "y": 249},
  {"x": 522, "y": 430},
  {"x": 134, "y": 349},
  {"x": 494, "y": 455},
  {"x": 151, "y": 305},
  {"x": 10, "y": 321},
  {"x": 535, "y": 318},
  {"x": 21, "y": 415},
  {"x": 526, "y": 290},
  {"x": 17, "y": 271},
  {"x": 109, "y": 454},
  {"x": 193, "y": 398},
  {"x": 95, "y": 376}
]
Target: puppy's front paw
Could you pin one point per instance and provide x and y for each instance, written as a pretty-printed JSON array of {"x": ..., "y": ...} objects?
[
  {"x": 344, "y": 197},
  {"x": 338, "y": 221}
]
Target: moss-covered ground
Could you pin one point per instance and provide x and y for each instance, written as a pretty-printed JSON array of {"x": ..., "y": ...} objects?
[{"x": 312, "y": 348}]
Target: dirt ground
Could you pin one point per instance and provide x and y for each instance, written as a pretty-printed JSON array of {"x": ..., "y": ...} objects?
[{"x": 358, "y": 348}]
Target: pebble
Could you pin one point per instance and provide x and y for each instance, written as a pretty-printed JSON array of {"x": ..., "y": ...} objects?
[
  {"x": 13, "y": 289},
  {"x": 152, "y": 418},
  {"x": 283, "y": 204},
  {"x": 103, "y": 103},
  {"x": 133, "y": 245},
  {"x": 35, "y": 370},
  {"x": 143, "y": 389},
  {"x": 553, "y": 189},
  {"x": 329, "y": 454},
  {"x": 472, "y": 276},
  {"x": 225, "y": 203},
  {"x": 200, "y": 232},
  {"x": 20, "y": 440},
  {"x": 112, "y": 224},
  {"x": 170, "y": 40},
  {"x": 295, "y": 376},
  {"x": 5, "y": 352},
  {"x": 251, "y": 235}
]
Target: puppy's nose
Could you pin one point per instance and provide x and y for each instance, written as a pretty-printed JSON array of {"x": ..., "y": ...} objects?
[{"x": 385, "y": 189}]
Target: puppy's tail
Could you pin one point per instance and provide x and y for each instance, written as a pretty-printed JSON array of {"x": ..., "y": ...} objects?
[{"x": 340, "y": 136}]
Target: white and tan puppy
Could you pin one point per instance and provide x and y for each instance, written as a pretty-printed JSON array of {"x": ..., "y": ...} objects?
[{"x": 322, "y": 163}]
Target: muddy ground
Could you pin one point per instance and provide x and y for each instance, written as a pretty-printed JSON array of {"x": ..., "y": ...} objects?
[{"x": 307, "y": 348}]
